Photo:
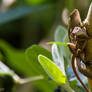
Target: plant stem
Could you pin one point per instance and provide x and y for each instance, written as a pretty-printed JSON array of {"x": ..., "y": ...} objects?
[
  {"x": 88, "y": 49},
  {"x": 68, "y": 88}
]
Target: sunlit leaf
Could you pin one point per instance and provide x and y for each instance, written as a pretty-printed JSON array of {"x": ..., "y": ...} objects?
[{"x": 52, "y": 70}]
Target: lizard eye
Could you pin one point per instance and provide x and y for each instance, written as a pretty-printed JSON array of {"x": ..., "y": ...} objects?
[{"x": 76, "y": 30}]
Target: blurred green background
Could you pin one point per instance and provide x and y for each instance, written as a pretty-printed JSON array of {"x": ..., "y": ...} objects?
[{"x": 27, "y": 22}]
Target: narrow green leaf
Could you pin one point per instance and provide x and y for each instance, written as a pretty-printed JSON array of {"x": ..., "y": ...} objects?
[
  {"x": 52, "y": 70},
  {"x": 58, "y": 43},
  {"x": 57, "y": 59},
  {"x": 19, "y": 12}
]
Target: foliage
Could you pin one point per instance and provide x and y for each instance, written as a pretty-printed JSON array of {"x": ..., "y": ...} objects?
[
  {"x": 58, "y": 58},
  {"x": 31, "y": 67},
  {"x": 21, "y": 12},
  {"x": 29, "y": 21},
  {"x": 52, "y": 69}
]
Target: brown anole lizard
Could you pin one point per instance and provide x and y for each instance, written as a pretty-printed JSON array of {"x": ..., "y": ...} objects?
[{"x": 78, "y": 37}]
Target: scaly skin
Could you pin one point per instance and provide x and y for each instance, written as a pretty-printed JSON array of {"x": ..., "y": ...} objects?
[{"x": 80, "y": 43}]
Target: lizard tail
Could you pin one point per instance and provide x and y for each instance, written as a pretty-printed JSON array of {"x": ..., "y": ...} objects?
[{"x": 74, "y": 70}]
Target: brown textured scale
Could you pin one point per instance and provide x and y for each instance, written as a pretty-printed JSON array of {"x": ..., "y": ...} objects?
[{"x": 78, "y": 36}]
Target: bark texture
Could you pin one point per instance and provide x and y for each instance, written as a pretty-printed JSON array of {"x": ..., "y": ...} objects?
[{"x": 88, "y": 48}]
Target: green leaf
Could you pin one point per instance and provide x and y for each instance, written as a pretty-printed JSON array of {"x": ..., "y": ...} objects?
[
  {"x": 32, "y": 58},
  {"x": 14, "y": 57},
  {"x": 20, "y": 12},
  {"x": 6, "y": 71},
  {"x": 36, "y": 69},
  {"x": 57, "y": 59},
  {"x": 67, "y": 53},
  {"x": 58, "y": 43},
  {"x": 27, "y": 63},
  {"x": 52, "y": 70},
  {"x": 35, "y": 2},
  {"x": 60, "y": 33}
]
